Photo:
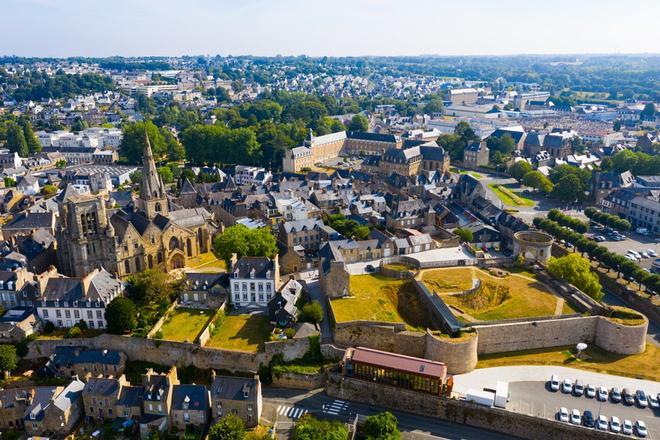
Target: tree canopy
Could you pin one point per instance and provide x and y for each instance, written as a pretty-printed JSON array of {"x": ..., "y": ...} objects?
[
  {"x": 121, "y": 316},
  {"x": 310, "y": 428},
  {"x": 382, "y": 426},
  {"x": 163, "y": 143},
  {"x": 230, "y": 427},
  {"x": 8, "y": 357},
  {"x": 359, "y": 122},
  {"x": 243, "y": 241},
  {"x": 519, "y": 169},
  {"x": 576, "y": 270},
  {"x": 151, "y": 286}
]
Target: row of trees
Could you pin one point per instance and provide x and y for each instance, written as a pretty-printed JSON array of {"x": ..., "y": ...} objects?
[
  {"x": 522, "y": 171},
  {"x": 600, "y": 253},
  {"x": 568, "y": 221},
  {"x": 637, "y": 162},
  {"x": 20, "y": 138},
  {"x": 35, "y": 85},
  {"x": 606, "y": 219}
]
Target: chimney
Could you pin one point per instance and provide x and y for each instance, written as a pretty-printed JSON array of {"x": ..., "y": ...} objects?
[{"x": 233, "y": 261}]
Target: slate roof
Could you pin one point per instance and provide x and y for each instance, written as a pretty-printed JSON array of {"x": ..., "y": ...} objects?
[
  {"x": 65, "y": 355},
  {"x": 102, "y": 386},
  {"x": 261, "y": 266},
  {"x": 299, "y": 225},
  {"x": 196, "y": 396},
  {"x": 33, "y": 220},
  {"x": 430, "y": 152},
  {"x": 130, "y": 396},
  {"x": 367, "y": 136},
  {"x": 233, "y": 388}
]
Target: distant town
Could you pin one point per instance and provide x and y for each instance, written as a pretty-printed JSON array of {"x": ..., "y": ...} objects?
[{"x": 330, "y": 248}]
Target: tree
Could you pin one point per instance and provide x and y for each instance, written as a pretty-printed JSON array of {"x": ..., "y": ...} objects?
[
  {"x": 230, "y": 427},
  {"x": 49, "y": 190},
  {"x": 535, "y": 179},
  {"x": 505, "y": 145},
  {"x": 121, "y": 316},
  {"x": 16, "y": 140},
  {"x": 616, "y": 125},
  {"x": 241, "y": 240},
  {"x": 32, "y": 142},
  {"x": 382, "y": 426},
  {"x": 569, "y": 189},
  {"x": 312, "y": 312},
  {"x": 648, "y": 112},
  {"x": 163, "y": 143},
  {"x": 8, "y": 358},
  {"x": 519, "y": 169},
  {"x": 166, "y": 174},
  {"x": 60, "y": 164},
  {"x": 359, "y": 122},
  {"x": 464, "y": 234},
  {"x": 149, "y": 287},
  {"x": 310, "y": 428},
  {"x": 576, "y": 270}
]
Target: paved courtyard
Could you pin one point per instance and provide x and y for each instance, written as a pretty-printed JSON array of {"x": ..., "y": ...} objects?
[{"x": 440, "y": 255}]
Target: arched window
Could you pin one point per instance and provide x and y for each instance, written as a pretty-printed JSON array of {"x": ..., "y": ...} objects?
[
  {"x": 127, "y": 266},
  {"x": 174, "y": 243},
  {"x": 138, "y": 264},
  {"x": 150, "y": 261},
  {"x": 159, "y": 257},
  {"x": 158, "y": 207},
  {"x": 189, "y": 247}
]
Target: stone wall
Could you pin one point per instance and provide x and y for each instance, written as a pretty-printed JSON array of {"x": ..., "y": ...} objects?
[
  {"x": 457, "y": 411},
  {"x": 380, "y": 336},
  {"x": 621, "y": 339},
  {"x": 178, "y": 353},
  {"x": 299, "y": 381},
  {"x": 460, "y": 354}
]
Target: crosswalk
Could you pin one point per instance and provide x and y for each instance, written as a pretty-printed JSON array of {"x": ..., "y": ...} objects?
[
  {"x": 335, "y": 407},
  {"x": 292, "y": 412}
]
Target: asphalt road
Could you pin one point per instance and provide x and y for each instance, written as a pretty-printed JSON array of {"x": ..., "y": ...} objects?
[
  {"x": 535, "y": 398},
  {"x": 286, "y": 406}
]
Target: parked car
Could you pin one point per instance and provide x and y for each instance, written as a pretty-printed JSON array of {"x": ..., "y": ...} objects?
[
  {"x": 642, "y": 401},
  {"x": 588, "y": 419},
  {"x": 615, "y": 395},
  {"x": 563, "y": 415},
  {"x": 652, "y": 253},
  {"x": 599, "y": 238},
  {"x": 575, "y": 417},
  {"x": 643, "y": 254},
  {"x": 615, "y": 424},
  {"x": 627, "y": 427},
  {"x": 628, "y": 398},
  {"x": 567, "y": 386},
  {"x": 578, "y": 388},
  {"x": 601, "y": 423},
  {"x": 602, "y": 393},
  {"x": 369, "y": 268},
  {"x": 554, "y": 383},
  {"x": 590, "y": 391},
  {"x": 633, "y": 253},
  {"x": 640, "y": 427},
  {"x": 654, "y": 401}
]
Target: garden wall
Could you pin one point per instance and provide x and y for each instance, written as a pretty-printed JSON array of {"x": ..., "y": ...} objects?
[
  {"x": 457, "y": 411},
  {"x": 299, "y": 381}
]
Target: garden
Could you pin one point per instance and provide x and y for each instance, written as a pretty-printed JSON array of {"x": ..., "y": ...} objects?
[
  {"x": 240, "y": 332},
  {"x": 184, "y": 325}
]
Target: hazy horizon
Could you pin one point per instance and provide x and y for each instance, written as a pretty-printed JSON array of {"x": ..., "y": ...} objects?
[{"x": 359, "y": 28}]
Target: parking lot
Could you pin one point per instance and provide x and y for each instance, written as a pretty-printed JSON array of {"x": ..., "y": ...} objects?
[
  {"x": 633, "y": 241},
  {"x": 535, "y": 398}
]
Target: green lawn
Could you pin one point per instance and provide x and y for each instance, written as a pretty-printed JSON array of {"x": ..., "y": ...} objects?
[
  {"x": 241, "y": 332},
  {"x": 184, "y": 324},
  {"x": 641, "y": 366},
  {"x": 513, "y": 296},
  {"x": 509, "y": 196},
  {"x": 207, "y": 262},
  {"x": 375, "y": 297},
  {"x": 471, "y": 173},
  {"x": 399, "y": 267}
]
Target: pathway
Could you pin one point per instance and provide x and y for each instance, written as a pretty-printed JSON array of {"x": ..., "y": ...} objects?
[{"x": 559, "y": 307}]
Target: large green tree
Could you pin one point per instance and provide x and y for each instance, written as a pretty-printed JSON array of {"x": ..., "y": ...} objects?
[
  {"x": 519, "y": 169},
  {"x": 359, "y": 122},
  {"x": 310, "y": 428},
  {"x": 243, "y": 241},
  {"x": 151, "y": 286},
  {"x": 382, "y": 426},
  {"x": 32, "y": 142},
  {"x": 163, "y": 143},
  {"x": 535, "y": 179},
  {"x": 8, "y": 358},
  {"x": 121, "y": 316},
  {"x": 230, "y": 427},
  {"x": 576, "y": 270},
  {"x": 16, "y": 142}
]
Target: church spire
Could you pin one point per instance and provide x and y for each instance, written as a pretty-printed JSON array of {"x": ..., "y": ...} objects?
[{"x": 152, "y": 192}]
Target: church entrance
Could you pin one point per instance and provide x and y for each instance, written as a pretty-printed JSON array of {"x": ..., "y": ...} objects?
[{"x": 177, "y": 261}]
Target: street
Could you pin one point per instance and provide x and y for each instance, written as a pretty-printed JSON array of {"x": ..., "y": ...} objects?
[{"x": 286, "y": 406}]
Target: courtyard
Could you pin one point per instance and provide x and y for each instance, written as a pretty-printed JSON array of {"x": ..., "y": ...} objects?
[
  {"x": 378, "y": 298},
  {"x": 508, "y": 297},
  {"x": 240, "y": 332},
  {"x": 184, "y": 325}
]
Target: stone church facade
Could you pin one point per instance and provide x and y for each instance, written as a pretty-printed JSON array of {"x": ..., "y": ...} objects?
[{"x": 127, "y": 241}]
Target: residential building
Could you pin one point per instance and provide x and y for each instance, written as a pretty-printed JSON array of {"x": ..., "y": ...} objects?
[
  {"x": 17, "y": 324},
  {"x": 476, "y": 155},
  {"x": 282, "y": 308},
  {"x": 26, "y": 223},
  {"x": 80, "y": 362},
  {"x": 306, "y": 233},
  {"x": 157, "y": 400},
  {"x": 190, "y": 406},
  {"x": 239, "y": 396},
  {"x": 463, "y": 96},
  {"x": 248, "y": 175},
  {"x": 100, "y": 397},
  {"x": 55, "y": 410},
  {"x": 254, "y": 280},
  {"x": 14, "y": 402},
  {"x": 205, "y": 289}
]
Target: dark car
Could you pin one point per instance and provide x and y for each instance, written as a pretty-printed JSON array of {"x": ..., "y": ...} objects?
[
  {"x": 369, "y": 268},
  {"x": 615, "y": 395},
  {"x": 628, "y": 397},
  {"x": 588, "y": 419},
  {"x": 578, "y": 388}
]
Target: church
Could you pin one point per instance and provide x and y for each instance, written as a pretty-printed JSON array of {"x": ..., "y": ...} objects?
[{"x": 148, "y": 234}]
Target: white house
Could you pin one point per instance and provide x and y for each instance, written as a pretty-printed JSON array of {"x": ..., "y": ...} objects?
[{"x": 254, "y": 280}]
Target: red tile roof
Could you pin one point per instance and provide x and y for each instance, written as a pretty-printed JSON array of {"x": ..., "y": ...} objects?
[{"x": 400, "y": 362}]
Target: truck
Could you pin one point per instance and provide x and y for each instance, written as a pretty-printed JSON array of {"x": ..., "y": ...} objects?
[
  {"x": 480, "y": 397},
  {"x": 501, "y": 394}
]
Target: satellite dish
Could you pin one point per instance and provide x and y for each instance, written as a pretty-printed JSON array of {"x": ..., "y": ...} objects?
[{"x": 581, "y": 346}]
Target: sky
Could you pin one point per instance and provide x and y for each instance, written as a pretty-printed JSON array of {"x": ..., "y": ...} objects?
[{"x": 62, "y": 28}]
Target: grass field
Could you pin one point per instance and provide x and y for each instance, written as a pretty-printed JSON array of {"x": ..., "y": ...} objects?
[
  {"x": 516, "y": 297},
  {"x": 510, "y": 197},
  {"x": 184, "y": 324},
  {"x": 378, "y": 298},
  {"x": 207, "y": 262},
  {"x": 241, "y": 332},
  {"x": 471, "y": 173},
  {"x": 397, "y": 267},
  {"x": 640, "y": 366}
]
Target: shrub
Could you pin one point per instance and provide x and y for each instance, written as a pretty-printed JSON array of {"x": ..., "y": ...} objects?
[
  {"x": 74, "y": 332},
  {"x": 312, "y": 312}
]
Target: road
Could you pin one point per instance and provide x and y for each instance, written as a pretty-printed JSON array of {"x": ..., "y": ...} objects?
[
  {"x": 535, "y": 398},
  {"x": 285, "y": 405}
]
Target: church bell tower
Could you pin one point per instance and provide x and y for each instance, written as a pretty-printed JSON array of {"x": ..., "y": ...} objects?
[{"x": 153, "y": 199}]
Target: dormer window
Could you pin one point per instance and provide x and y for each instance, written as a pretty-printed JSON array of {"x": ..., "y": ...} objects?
[
  {"x": 236, "y": 274},
  {"x": 186, "y": 402},
  {"x": 252, "y": 273},
  {"x": 268, "y": 274}
]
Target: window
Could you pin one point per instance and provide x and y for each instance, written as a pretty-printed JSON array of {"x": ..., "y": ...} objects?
[
  {"x": 91, "y": 324},
  {"x": 237, "y": 297},
  {"x": 45, "y": 313},
  {"x": 98, "y": 314},
  {"x": 100, "y": 323},
  {"x": 76, "y": 314},
  {"x": 67, "y": 314},
  {"x": 89, "y": 314},
  {"x": 58, "y": 313},
  {"x": 236, "y": 286},
  {"x": 186, "y": 417}
]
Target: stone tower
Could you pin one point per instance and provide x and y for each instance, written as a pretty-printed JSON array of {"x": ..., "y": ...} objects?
[{"x": 153, "y": 199}]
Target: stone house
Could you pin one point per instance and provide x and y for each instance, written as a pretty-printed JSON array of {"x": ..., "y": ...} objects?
[
  {"x": 55, "y": 410},
  {"x": 476, "y": 155},
  {"x": 190, "y": 406},
  {"x": 157, "y": 400},
  {"x": 206, "y": 289},
  {"x": 14, "y": 402},
  {"x": 17, "y": 324},
  {"x": 306, "y": 233},
  {"x": 282, "y": 308},
  {"x": 100, "y": 397},
  {"x": 79, "y": 361},
  {"x": 239, "y": 396},
  {"x": 129, "y": 403}
]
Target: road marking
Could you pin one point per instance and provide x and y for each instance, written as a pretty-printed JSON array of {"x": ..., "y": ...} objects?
[
  {"x": 335, "y": 407},
  {"x": 292, "y": 412}
]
